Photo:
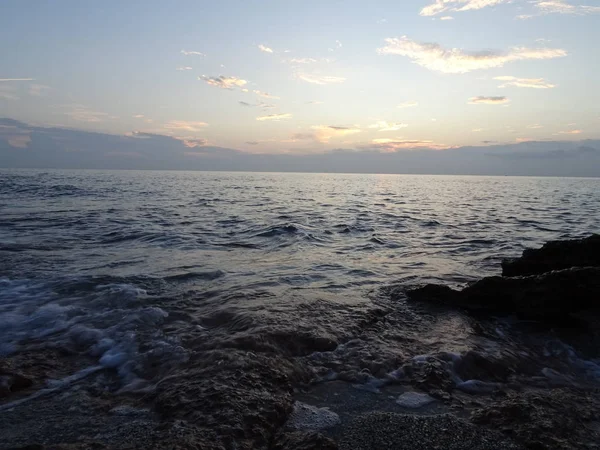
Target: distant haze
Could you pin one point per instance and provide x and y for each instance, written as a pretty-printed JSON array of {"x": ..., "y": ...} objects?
[{"x": 27, "y": 146}]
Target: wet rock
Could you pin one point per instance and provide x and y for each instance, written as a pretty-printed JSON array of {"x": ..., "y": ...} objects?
[
  {"x": 559, "y": 297},
  {"x": 554, "y": 419},
  {"x": 381, "y": 431},
  {"x": 311, "y": 418},
  {"x": 555, "y": 255},
  {"x": 475, "y": 366},
  {"x": 11, "y": 382},
  {"x": 303, "y": 441},
  {"x": 430, "y": 375},
  {"x": 414, "y": 400}
]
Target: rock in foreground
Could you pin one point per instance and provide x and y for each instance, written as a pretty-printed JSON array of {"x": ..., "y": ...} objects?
[
  {"x": 381, "y": 431},
  {"x": 555, "y": 255},
  {"x": 560, "y": 297}
]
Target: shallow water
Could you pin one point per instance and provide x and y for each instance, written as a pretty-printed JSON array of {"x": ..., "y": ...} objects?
[{"x": 136, "y": 269}]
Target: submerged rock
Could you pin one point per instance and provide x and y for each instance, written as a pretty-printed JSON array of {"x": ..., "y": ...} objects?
[
  {"x": 559, "y": 296},
  {"x": 555, "y": 255}
]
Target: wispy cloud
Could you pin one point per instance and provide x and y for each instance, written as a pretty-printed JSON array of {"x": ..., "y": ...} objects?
[
  {"x": 535, "y": 83},
  {"x": 38, "y": 90},
  {"x": 561, "y": 7},
  {"x": 571, "y": 132},
  {"x": 138, "y": 116},
  {"x": 320, "y": 79},
  {"x": 481, "y": 100},
  {"x": 435, "y": 57},
  {"x": 302, "y": 60},
  {"x": 191, "y": 53},
  {"x": 224, "y": 82},
  {"x": 440, "y": 6},
  {"x": 324, "y": 133},
  {"x": 8, "y": 92},
  {"x": 184, "y": 68},
  {"x": 392, "y": 145},
  {"x": 477, "y": 130},
  {"x": 315, "y": 102},
  {"x": 338, "y": 44},
  {"x": 382, "y": 125},
  {"x": 275, "y": 117},
  {"x": 408, "y": 104},
  {"x": 447, "y": 18},
  {"x": 265, "y": 49},
  {"x": 535, "y": 126},
  {"x": 262, "y": 105},
  {"x": 16, "y": 79},
  {"x": 183, "y": 125},
  {"x": 82, "y": 113},
  {"x": 266, "y": 95},
  {"x": 252, "y": 142}
]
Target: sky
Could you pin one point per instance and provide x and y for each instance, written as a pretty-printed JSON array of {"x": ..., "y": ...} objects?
[{"x": 302, "y": 78}]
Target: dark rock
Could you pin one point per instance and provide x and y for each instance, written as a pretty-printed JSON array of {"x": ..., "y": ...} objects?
[
  {"x": 11, "y": 382},
  {"x": 303, "y": 441},
  {"x": 475, "y": 366},
  {"x": 555, "y": 255},
  {"x": 381, "y": 431},
  {"x": 553, "y": 419},
  {"x": 559, "y": 297}
]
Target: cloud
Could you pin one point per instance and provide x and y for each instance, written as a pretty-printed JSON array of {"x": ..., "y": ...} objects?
[
  {"x": 323, "y": 133},
  {"x": 16, "y": 79},
  {"x": 315, "y": 102},
  {"x": 275, "y": 117},
  {"x": 535, "y": 126},
  {"x": 392, "y": 145},
  {"x": 265, "y": 49},
  {"x": 408, "y": 104},
  {"x": 481, "y": 100},
  {"x": 182, "y": 125},
  {"x": 38, "y": 90},
  {"x": 561, "y": 7},
  {"x": 382, "y": 125},
  {"x": 338, "y": 44},
  {"x": 224, "y": 82},
  {"x": 266, "y": 95},
  {"x": 252, "y": 142},
  {"x": 193, "y": 143},
  {"x": 320, "y": 79},
  {"x": 302, "y": 60},
  {"x": 535, "y": 83},
  {"x": 434, "y": 57},
  {"x": 191, "y": 53},
  {"x": 477, "y": 130},
  {"x": 447, "y": 18},
  {"x": 184, "y": 68},
  {"x": 8, "y": 93},
  {"x": 81, "y": 113},
  {"x": 571, "y": 132},
  {"x": 440, "y": 6},
  {"x": 246, "y": 104},
  {"x": 138, "y": 116},
  {"x": 544, "y": 7}
]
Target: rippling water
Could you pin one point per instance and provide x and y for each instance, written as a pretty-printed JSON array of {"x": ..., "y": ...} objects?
[{"x": 114, "y": 261}]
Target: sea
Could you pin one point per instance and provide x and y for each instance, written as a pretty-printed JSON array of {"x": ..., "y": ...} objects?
[{"x": 138, "y": 271}]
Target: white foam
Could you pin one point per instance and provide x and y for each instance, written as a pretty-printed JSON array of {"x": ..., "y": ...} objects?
[{"x": 102, "y": 321}]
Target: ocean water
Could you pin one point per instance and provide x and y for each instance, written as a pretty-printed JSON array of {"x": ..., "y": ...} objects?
[{"x": 136, "y": 270}]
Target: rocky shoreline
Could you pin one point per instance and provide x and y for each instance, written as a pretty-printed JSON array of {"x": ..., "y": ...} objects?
[{"x": 245, "y": 387}]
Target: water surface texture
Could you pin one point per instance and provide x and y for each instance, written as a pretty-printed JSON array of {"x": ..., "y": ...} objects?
[{"x": 123, "y": 264}]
